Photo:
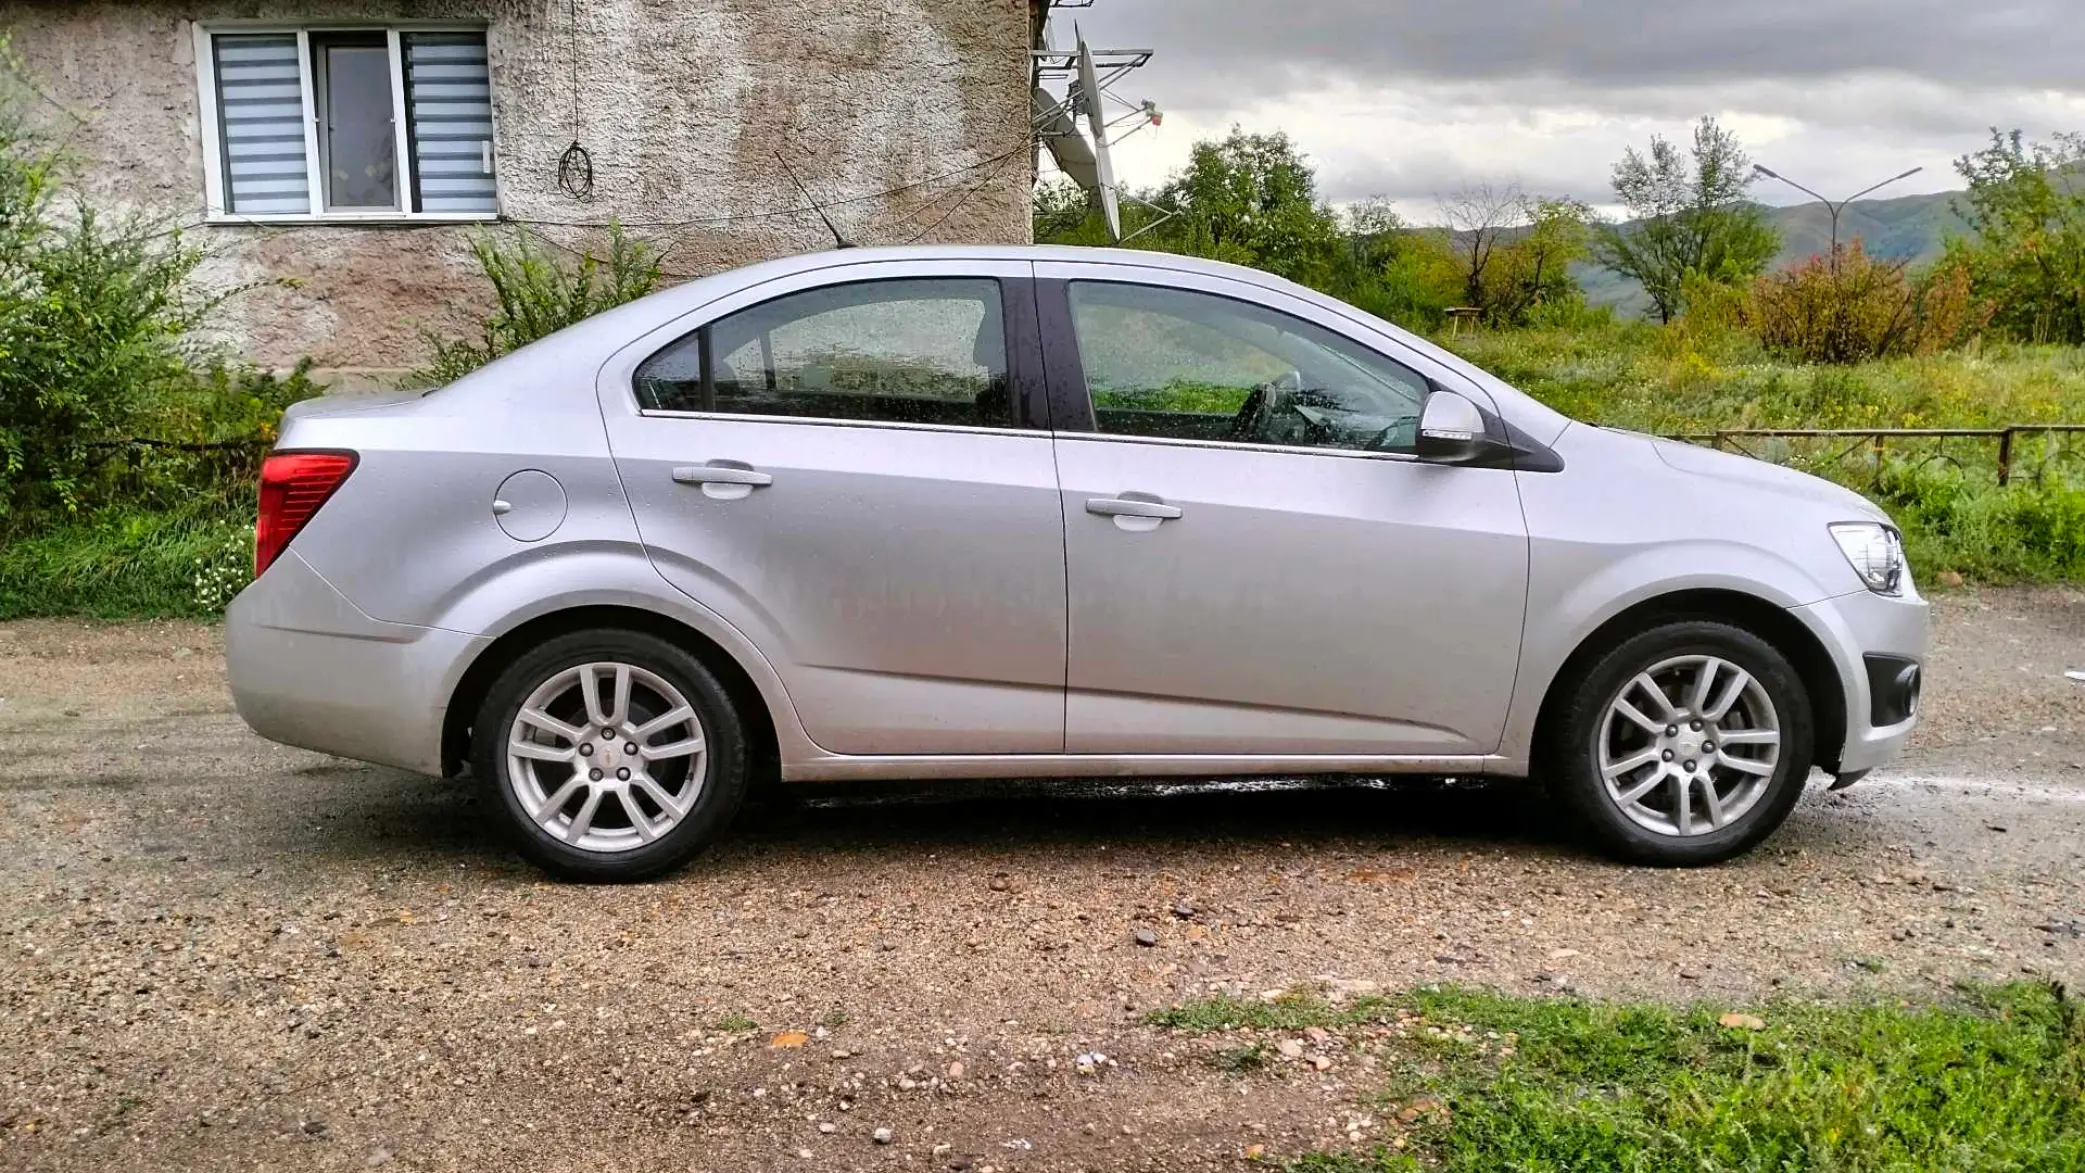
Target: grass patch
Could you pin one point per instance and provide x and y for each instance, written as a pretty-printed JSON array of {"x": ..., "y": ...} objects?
[
  {"x": 1945, "y": 494},
  {"x": 1993, "y": 1081},
  {"x": 736, "y": 1022},
  {"x": 120, "y": 564}
]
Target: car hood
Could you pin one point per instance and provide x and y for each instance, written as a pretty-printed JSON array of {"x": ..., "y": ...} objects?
[{"x": 1774, "y": 478}]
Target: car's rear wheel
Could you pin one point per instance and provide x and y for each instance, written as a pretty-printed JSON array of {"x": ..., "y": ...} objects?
[
  {"x": 614, "y": 755},
  {"x": 1684, "y": 745}
]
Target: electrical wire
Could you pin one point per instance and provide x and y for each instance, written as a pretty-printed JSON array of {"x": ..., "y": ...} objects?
[
  {"x": 974, "y": 188},
  {"x": 776, "y": 213}
]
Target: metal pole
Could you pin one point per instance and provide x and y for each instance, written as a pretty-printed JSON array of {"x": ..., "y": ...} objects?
[{"x": 1837, "y": 208}]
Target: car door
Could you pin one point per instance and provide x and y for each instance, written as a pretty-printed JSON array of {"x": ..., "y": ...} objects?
[
  {"x": 1255, "y": 561},
  {"x": 836, "y": 463}
]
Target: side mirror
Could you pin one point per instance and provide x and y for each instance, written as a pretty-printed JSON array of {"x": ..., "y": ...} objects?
[{"x": 1452, "y": 431}]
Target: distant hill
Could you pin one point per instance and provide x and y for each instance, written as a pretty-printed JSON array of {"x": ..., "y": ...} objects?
[{"x": 1912, "y": 228}]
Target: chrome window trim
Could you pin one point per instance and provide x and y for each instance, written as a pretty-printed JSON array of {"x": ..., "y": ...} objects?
[
  {"x": 1238, "y": 446},
  {"x": 836, "y": 422}
]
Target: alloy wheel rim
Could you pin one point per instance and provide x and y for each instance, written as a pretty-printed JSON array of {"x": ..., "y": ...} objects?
[
  {"x": 606, "y": 757},
  {"x": 1688, "y": 746}
]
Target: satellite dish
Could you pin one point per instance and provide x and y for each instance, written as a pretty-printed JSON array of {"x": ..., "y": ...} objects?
[
  {"x": 1060, "y": 135},
  {"x": 1104, "y": 168}
]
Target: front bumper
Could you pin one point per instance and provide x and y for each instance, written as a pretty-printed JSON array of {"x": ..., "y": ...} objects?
[
  {"x": 1871, "y": 639},
  {"x": 309, "y": 669}
]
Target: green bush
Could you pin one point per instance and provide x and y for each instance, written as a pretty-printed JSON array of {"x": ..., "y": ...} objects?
[
  {"x": 97, "y": 320},
  {"x": 110, "y": 395},
  {"x": 538, "y": 292},
  {"x": 2032, "y": 531}
]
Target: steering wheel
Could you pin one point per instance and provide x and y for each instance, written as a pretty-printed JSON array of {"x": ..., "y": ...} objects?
[
  {"x": 1401, "y": 436},
  {"x": 1267, "y": 403}
]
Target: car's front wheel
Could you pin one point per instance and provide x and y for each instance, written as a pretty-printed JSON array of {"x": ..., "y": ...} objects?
[
  {"x": 614, "y": 754},
  {"x": 1687, "y": 744}
]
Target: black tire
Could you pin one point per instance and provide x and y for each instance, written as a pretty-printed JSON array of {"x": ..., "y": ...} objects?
[
  {"x": 1571, "y": 751},
  {"x": 723, "y": 782}
]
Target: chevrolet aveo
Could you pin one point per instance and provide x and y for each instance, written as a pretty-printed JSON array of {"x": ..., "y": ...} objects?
[{"x": 1036, "y": 512}]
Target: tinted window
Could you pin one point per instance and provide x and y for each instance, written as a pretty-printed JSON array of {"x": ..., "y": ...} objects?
[
  {"x": 1195, "y": 366},
  {"x": 929, "y": 351}
]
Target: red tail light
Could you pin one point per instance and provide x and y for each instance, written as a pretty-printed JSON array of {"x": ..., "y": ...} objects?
[{"x": 293, "y": 486}]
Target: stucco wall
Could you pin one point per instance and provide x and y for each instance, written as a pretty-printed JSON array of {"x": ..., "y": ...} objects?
[{"x": 683, "y": 104}]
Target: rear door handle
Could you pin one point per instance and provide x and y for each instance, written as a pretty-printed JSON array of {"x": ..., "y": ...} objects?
[
  {"x": 721, "y": 474},
  {"x": 722, "y": 480},
  {"x": 1132, "y": 507}
]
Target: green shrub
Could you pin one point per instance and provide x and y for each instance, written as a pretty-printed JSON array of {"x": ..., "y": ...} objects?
[
  {"x": 2031, "y": 531},
  {"x": 97, "y": 320},
  {"x": 109, "y": 392},
  {"x": 538, "y": 292}
]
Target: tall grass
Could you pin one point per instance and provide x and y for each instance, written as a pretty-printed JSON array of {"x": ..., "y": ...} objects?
[
  {"x": 1695, "y": 377},
  {"x": 119, "y": 563}
]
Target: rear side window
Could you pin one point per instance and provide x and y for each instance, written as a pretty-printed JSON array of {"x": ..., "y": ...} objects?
[{"x": 910, "y": 351}]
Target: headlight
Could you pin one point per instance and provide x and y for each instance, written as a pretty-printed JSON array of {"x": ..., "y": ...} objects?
[{"x": 1876, "y": 552}]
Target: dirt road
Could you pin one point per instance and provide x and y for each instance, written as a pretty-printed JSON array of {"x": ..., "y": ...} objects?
[{"x": 216, "y": 953}]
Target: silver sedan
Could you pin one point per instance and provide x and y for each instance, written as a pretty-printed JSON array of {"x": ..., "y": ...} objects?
[{"x": 1036, "y": 512}]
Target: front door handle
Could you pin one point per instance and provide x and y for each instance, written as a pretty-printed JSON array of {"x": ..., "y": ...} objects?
[
  {"x": 721, "y": 474},
  {"x": 1132, "y": 507},
  {"x": 724, "y": 481}
]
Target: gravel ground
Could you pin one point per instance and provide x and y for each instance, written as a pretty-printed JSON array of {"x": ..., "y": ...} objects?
[{"x": 217, "y": 953}]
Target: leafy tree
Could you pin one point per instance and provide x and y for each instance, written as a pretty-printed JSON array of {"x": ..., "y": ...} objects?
[
  {"x": 1251, "y": 199},
  {"x": 1690, "y": 218},
  {"x": 2027, "y": 206},
  {"x": 1533, "y": 269},
  {"x": 1391, "y": 269}
]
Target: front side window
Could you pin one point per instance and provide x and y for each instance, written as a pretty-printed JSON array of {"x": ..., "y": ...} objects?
[
  {"x": 913, "y": 351},
  {"x": 1195, "y": 366},
  {"x": 350, "y": 122}
]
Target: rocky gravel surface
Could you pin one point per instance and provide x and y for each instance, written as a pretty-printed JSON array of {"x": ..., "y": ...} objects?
[{"x": 217, "y": 953}]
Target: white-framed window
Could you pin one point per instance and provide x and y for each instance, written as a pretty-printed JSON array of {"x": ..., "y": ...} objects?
[{"x": 346, "y": 123}]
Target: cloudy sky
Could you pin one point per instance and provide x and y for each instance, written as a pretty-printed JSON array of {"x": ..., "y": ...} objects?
[{"x": 1414, "y": 98}]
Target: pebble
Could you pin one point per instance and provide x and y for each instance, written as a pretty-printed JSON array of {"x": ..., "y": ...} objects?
[
  {"x": 881, "y": 1136},
  {"x": 1184, "y": 910},
  {"x": 1146, "y": 938},
  {"x": 1289, "y": 1049},
  {"x": 828, "y": 1127}
]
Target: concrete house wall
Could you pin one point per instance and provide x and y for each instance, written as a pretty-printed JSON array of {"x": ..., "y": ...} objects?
[{"x": 910, "y": 115}]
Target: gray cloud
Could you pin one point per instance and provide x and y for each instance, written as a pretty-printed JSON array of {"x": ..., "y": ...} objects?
[
  {"x": 1413, "y": 99},
  {"x": 1215, "y": 52}
]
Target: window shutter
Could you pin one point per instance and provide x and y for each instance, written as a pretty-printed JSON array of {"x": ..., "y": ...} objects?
[
  {"x": 448, "y": 95},
  {"x": 260, "y": 104}
]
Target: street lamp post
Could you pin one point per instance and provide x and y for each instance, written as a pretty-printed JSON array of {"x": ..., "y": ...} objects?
[{"x": 1831, "y": 207}]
